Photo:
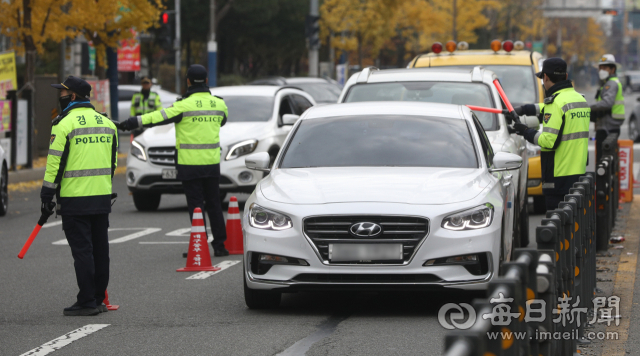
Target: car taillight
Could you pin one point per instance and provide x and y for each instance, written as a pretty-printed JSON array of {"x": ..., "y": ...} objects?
[
  {"x": 496, "y": 45},
  {"x": 507, "y": 45},
  {"x": 436, "y": 48},
  {"x": 450, "y": 46}
]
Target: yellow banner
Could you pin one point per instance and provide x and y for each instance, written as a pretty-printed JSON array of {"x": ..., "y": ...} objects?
[{"x": 8, "y": 78}]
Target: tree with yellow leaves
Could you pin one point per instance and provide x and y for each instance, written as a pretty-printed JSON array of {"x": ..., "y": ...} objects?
[
  {"x": 31, "y": 23},
  {"x": 358, "y": 23}
]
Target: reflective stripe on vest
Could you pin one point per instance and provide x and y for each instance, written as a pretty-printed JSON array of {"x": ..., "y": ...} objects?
[
  {"x": 202, "y": 113},
  {"x": 88, "y": 173},
  {"x": 91, "y": 131},
  {"x": 204, "y": 146}
]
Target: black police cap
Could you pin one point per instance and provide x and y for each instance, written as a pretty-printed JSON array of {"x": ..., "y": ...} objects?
[
  {"x": 553, "y": 66},
  {"x": 197, "y": 74},
  {"x": 76, "y": 85}
]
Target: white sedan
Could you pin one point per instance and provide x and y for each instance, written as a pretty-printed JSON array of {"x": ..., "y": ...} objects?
[
  {"x": 379, "y": 195},
  {"x": 255, "y": 124}
]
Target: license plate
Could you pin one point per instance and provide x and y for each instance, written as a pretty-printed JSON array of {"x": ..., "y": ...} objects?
[
  {"x": 364, "y": 252},
  {"x": 169, "y": 173}
]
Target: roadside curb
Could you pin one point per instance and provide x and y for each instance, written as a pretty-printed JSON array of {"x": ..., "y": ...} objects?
[
  {"x": 28, "y": 175},
  {"x": 625, "y": 279}
]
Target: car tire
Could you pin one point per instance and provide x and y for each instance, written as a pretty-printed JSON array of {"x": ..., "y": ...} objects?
[
  {"x": 146, "y": 201},
  {"x": 260, "y": 299},
  {"x": 634, "y": 129},
  {"x": 539, "y": 205},
  {"x": 524, "y": 223},
  {"x": 4, "y": 191}
]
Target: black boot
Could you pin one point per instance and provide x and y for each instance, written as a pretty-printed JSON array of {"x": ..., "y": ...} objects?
[{"x": 77, "y": 310}]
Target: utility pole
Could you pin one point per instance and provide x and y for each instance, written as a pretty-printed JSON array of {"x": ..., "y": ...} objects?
[
  {"x": 455, "y": 14},
  {"x": 177, "y": 48},
  {"x": 212, "y": 46},
  {"x": 314, "y": 39}
]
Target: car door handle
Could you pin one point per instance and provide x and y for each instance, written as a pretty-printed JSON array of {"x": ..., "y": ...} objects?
[
  {"x": 506, "y": 184},
  {"x": 508, "y": 177}
]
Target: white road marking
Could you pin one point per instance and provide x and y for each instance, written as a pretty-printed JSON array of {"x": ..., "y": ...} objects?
[
  {"x": 162, "y": 242},
  {"x": 135, "y": 235},
  {"x": 52, "y": 224},
  {"x": 64, "y": 340},
  {"x": 223, "y": 265},
  {"x": 187, "y": 232}
]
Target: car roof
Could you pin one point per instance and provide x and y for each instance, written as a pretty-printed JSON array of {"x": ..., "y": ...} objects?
[
  {"x": 246, "y": 90},
  {"x": 387, "y": 108},
  {"x": 429, "y": 74},
  {"x": 305, "y": 80},
  {"x": 474, "y": 57}
]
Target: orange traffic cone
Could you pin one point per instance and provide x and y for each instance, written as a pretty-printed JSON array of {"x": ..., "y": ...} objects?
[
  {"x": 108, "y": 303},
  {"x": 198, "y": 258},
  {"x": 234, "y": 229}
]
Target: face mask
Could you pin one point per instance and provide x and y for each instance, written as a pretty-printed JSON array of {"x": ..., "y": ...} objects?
[
  {"x": 64, "y": 102},
  {"x": 603, "y": 74}
]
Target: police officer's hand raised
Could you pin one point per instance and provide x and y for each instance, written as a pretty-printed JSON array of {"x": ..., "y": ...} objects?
[{"x": 123, "y": 125}]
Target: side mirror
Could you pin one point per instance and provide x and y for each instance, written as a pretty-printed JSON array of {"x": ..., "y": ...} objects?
[
  {"x": 289, "y": 119},
  {"x": 531, "y": 122},
  {"x": 503, "y": 161},
  {"x": 258, "y": 161}
]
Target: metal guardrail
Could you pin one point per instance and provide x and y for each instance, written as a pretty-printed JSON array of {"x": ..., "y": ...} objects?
[{"x": 560, "y": 272}]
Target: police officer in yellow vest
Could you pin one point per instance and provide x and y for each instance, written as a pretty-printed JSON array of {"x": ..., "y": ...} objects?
[
  {"x": 198, "y": 117},
  {"x": 608, "y": 111},
  {"x": 565, "y": 132},
  {"x": 145, "y": 101},
  {"x": 80, "y": 166}
]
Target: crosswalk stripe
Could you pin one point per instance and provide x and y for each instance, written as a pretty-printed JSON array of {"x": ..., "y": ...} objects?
[
  {"x": 223, "y": 265},
  {"x": 64, "y": 340}
]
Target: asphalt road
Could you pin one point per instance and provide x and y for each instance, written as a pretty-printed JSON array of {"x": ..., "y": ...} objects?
[{"x": 164, "y": 313}]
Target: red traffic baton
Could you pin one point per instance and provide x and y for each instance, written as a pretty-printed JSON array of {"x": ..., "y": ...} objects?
[
  {"x": 503, "y": 95},
  {"x": 34, "y": 233},
  {"x": 491, "y": 110}
]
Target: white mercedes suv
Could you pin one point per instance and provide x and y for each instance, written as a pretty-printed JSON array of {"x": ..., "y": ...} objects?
[
  {"x": 254, "y": 125},
  {"x": 381, "y": 195}
]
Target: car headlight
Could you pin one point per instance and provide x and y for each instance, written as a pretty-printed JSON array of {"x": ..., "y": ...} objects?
[
  {"x": 241, "y": 149},
  {"x": 472, "y": 219},
  {"x": 137, "y": 151},
  {"x": 532, "y": 150},
  {"x": 265, "y": 219}
]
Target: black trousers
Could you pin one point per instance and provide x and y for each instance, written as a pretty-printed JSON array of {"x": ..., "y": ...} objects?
[
  {"x": 601, "y": 135},
  {"x": 88, "y": 238},
  {"x": 204, "y": 193},
  {"x": 552, "y": 200}
]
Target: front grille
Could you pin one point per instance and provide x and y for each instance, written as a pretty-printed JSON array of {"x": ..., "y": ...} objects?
[
  {"x": 325, "y": 230},
  {"x": 148, "y": 180},
  {"x": 163, "y": 156},
  {"x": 366, "y": 278}
]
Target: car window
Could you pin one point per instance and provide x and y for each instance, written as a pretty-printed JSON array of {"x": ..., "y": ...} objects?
[
  {"x": 518, "y": 82},
  {"x": 285, "y": 107},
  {"x": 249, "y": 108},
  {"x": 125, "y": 95},
  {"x": 321, "y": 92},
  {"x": 301, "y": 103},
  {"x": 432, "y": 92},
  {"x": 487, "y": 150},
  {"x": 380, "y": 141}
]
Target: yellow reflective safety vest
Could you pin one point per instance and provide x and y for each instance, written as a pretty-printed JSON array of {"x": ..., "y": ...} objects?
[
  {"x": 141, "y": 106},
  {"x": 564, "y": 139},
  {"x": 617, "y": 110},
  {"x": 198, "y": 118},
  {"x": 82, "y": 158}
]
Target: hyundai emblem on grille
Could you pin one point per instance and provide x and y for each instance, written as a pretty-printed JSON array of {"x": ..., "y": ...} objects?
[{"x": 365, "y": 229}]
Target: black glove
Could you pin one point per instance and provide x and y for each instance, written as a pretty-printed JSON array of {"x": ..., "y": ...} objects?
[
  {"x": 520, "y": 128},
  {"x": 47, "y": 208},
  {"x": 519, "y": 110},
  {"x": 124, "y": 125}
]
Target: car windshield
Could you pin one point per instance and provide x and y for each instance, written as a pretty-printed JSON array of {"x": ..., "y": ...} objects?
[
  {"x": 432, "y": 92},
  {"x": 518, "y": 82},
  {"x": 249, "y": 108},
  {"x": 321, "y": 93},
  {"x": 381, "y": 141}
]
